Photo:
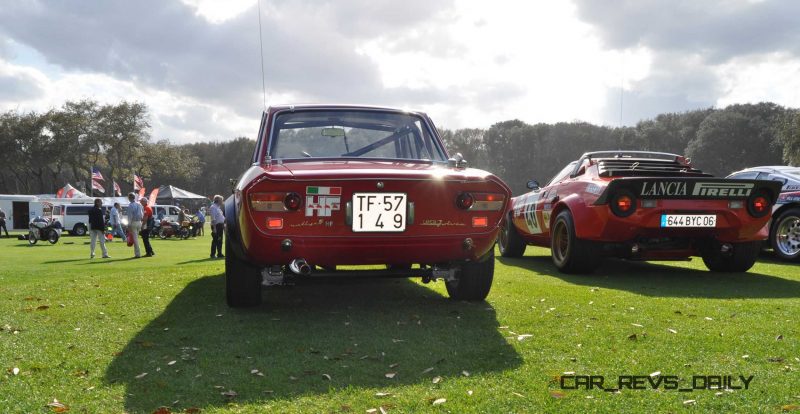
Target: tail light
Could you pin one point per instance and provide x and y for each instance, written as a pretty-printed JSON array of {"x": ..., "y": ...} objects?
[
  {"x": 465, "y": 201},
  {"x": 758, "y": 205},
  {"x": 623, "y": 204},
  {"x": 292, "y": 201},
  {"x": 480, "y": 201},
  {"x": 274, "y": 223},
  {"x": 480, "y": 221},
  {"x": 275, "y": 201},
  {"x": 488, "y": 202}
]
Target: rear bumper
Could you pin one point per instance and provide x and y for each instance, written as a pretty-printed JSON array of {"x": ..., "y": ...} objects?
[
  {"x": 733, "y": 226},
  {"x": 329, "y": 251}
]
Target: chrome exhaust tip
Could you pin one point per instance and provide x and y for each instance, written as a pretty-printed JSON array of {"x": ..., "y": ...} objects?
[{"x": 300, "y": 267}]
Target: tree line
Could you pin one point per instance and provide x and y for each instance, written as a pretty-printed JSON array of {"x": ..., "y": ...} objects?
[
  {"x": 40, "y": 152},
  {"x": 719, "y": 141}
]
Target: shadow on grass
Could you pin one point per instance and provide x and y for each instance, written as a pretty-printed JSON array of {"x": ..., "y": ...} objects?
[
  {"x": 352, "y": 331},
  {"x": 653, "y": 279}
]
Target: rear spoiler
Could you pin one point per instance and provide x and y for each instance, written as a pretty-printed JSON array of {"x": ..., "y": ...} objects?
[{"x": 697, "y": 188}]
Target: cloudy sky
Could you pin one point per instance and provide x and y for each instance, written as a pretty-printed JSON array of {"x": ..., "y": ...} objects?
[{"x": 471, "y": 63}]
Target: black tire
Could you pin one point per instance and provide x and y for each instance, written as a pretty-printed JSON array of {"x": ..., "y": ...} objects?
[
  {"x": 52, "y": 236},
  {"x": 162, "y": 233},
  {"x": 474, "y": 280},
  {"x": 509, "y": 241},
  {"x": 183, "y": 233},
  {"x": 31, "y": 238},
  {"x": 784, "y": 236},
  {"x": 242, "y": 281},
  {"x": 740, "y": 259},
  {"x": 79, "y": 230},
  {"x": 570, "y": 254}
]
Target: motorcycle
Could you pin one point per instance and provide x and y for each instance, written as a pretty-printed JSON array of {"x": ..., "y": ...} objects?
[
  {"x": 41, "y": 228},
  {"x": 172, "y": 228}
]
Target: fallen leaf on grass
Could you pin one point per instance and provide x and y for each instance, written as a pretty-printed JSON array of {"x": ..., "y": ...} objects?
[
  {"x": 439, "y": 401},
  {"x": 393, "y": 366},
  {"x": 162, "y": 410},
  {"x": 383, "y": 394},
  {"x": 230, "y": 394},
  {"x": 192, "y": 410},
  {"x": 655, "y": 374},
  {"x": 15, "y": 371},
  {"x": 383, "y": 410},
  {"x": 436, "y": 380},
  {"x": 372, "y": 411},
  {"x": 779, "y": 337},
  {"x": 390, "y": 375},
  {"x": 672, "y": 330},
  {"x": 632, "y": 337},
  {"x": 517, "y": 394},
  {"x": 745, "y": 356},
  {"x": 637, "y": 325},
  {"x": 690, "y": 402},
  {"x": 775, "y": 359},
  {"x": 469, "y": 392},
  {"x": 790, "y": 407},
  {"x": 142, "y": 375},
  {"x": 523, "y": 337},
  {"x": 557, "y": 394},
  {"x": 465, "y": 373},
  {"x": 326, "y": 376},
  {"x": 708, "y": 318},
  {"x": 42, "y": 307},
  {"x": 427, "y": 370},
  {"x": 57, "y": 406}
]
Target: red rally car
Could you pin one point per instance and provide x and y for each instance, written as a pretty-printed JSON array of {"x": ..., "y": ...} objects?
[
  {"x": 352, "y": 185},
  {"x": 641, "y": 206}
]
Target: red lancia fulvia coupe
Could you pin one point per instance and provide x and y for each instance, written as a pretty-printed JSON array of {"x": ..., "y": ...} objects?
[
  {"x": 641, "y": 206},
  {"x": 334, "y": 186}
]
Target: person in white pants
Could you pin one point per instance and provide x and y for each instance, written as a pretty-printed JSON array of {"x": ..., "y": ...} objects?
[
  {"x": 97, "y": 225},
  {"x": 135, "y": 214}
]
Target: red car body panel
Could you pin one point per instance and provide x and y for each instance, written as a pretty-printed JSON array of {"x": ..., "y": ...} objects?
[
  {"x": 435, "y": 233},
  {"x": 533, "y": 214}
]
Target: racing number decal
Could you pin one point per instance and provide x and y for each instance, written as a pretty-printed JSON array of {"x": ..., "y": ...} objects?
[{"x": 530, "y": 218}]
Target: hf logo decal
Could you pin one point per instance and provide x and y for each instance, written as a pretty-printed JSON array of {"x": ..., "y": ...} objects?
[{"x": 323, "y": 200}]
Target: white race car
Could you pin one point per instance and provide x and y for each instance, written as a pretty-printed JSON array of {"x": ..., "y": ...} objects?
[{"x": 784, "y": 232}]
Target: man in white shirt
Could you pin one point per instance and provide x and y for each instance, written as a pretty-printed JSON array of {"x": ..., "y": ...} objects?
[
  {"x": 115, "y": 220},
  {"x": 135, "y": 214},
  {"x": 217, "y": 226}
]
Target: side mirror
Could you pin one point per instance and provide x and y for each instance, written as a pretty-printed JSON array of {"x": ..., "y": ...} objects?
[
  {"x": 533, "y": 185},
  {"x": 457, "y": 161}
]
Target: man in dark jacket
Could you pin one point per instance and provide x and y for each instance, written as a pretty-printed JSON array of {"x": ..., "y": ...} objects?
[
  {"x": 3, "y": 221},
  {"x": 97, "y": 225}
]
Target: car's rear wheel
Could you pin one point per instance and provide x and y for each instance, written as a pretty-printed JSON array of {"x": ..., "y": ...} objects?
[
  {"x": 473, "y": 280},
  {"x": 242, "y": 281},
  {"x": 509, "y": 241},
  {"x": 785, "y": 234},
  {"x": 79, "y": 230},
  {"x": 740, "y": 258},
  {"x": 570, "y": 254}
]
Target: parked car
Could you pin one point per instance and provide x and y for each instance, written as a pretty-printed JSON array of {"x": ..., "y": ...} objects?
[
  {"x": 353, "y": 185},
  {"x": 75, "y": 218},
  {"x": 784, "y": 233},
  {"x": 641, "y": 206}
]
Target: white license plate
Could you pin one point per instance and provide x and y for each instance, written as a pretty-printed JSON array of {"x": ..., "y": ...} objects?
[
  {"x": 688, "y": 220},
  {"x": 379, "y": 212}
]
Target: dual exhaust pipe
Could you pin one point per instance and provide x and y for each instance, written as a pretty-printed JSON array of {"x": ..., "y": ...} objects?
[{"x": 300, "y": 267}]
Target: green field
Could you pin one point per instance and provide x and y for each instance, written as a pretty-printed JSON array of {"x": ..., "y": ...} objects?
[{"x": 123, "y": 335}]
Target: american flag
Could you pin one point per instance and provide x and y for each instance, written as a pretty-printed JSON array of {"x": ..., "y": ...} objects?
[
  {"x": 96, "y": 185},
  {"x": 138, "y": 183},
  {"x": 96, "y": 174},
  {"x": 117, "y": 190}
]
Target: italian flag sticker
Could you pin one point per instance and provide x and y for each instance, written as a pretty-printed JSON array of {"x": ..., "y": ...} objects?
[{"x": 324, "y": 190}]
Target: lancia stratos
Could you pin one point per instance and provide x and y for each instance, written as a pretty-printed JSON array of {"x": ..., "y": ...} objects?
[
  {"x": 641, "y": 206},
  {"x": 359, "y": 191},
  {"x": 784, "y": 231}
]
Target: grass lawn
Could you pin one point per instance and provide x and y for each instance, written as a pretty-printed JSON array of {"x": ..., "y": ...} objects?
[{"x": 124, "y": 335}]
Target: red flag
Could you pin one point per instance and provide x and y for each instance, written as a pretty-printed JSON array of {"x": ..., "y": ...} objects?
[
  {"x": 153, "y": 195},
  {"x": 60, "y": 193},
  {"x": 141, "y": 192},
  {"x": 97, "y": 186},
  {"x": 117, "y": 190}
]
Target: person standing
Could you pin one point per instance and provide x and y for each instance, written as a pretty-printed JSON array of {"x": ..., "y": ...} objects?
[
  {"x": 115, "y": 220},
  {"x": 201, "y": 222},
  {"x": 97, "y": 225},
  {"x": 217, "y": 226},
  {"x": 135, "y": 213},
  {"x": 3, "y": 222},
  {"x": 147, "y": 223}
]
